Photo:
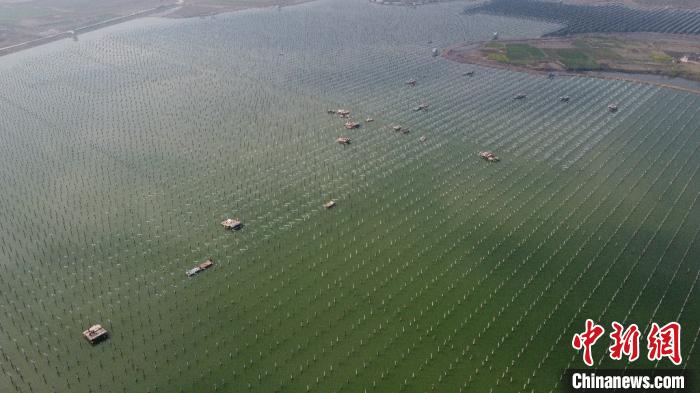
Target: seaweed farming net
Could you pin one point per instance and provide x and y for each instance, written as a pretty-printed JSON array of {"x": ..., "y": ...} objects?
[
  {"x": 606, "y": 18},
  {"x": 123, "y": 151}
]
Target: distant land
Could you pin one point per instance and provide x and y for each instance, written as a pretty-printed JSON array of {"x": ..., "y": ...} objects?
[
  {"x": 632, "y": 53},
  {"x": 27, "y": 23}
]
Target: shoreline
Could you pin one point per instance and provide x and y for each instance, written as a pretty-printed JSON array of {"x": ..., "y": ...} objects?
[
  {"x": 164, "y": 11},
  {"x": 83, "y": 29}
]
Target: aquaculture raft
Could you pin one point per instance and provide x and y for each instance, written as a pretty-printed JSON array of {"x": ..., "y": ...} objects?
[
  {"x": 343, "y": 113},
  {"x": 201, "y": 267},
  {"x": 95, "y": 334},
  {"x": 231, "y": 223},
  {"x": 488, "y": 156}
]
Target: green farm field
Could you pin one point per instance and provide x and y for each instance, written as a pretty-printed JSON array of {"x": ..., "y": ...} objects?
[
  {"x": 637, "y": 53},
  {"x": 436, "y": 271}
]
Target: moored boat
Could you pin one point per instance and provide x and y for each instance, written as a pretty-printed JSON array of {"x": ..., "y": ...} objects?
[
  {"x": 488, "y": 156},
  {"x": 232, "y": 223},
  {"x": 200, "y": 268}
]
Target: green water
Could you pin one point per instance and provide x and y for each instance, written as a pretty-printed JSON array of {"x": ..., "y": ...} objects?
[{"x": 436, "y": 271}]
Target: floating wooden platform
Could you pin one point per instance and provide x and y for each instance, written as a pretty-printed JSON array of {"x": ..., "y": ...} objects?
[
  {"x": 232, "y": 223},
  {"x": 95, "y": 334},
  {"x": 488, "y": 156},
  {"x": 344, "y": 113}
]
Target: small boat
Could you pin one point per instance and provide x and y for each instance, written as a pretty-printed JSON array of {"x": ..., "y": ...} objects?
[
  {"x": 564, "y": 99},
  {"x": 232, "y": 223},
  {"x": 95, "y": 334},
  {"x": 344, "y": 113},
  {"x": 405, "y": 131},
  {"x": 411, "y": 82},
  {"x": 469, "y": 74},
  {"x": 612, "y": 108},
  {"x": 329, "y": 204},
  {"x": 352, "y": 124},
  {"x": 420, "y": 107},
  {"x": 369, "y": 120},
  {"x": 423, "y": 138},
  {"x": 396, "y": 128},
  {"x": 520, "y": 96},
  {"x": 488, "y": 156},
  {"x": 199, "y": 268},
  {"x": 343, "y": 140}
]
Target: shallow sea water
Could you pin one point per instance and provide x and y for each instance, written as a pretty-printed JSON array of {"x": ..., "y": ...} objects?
[{"x": 436, "y": 271}]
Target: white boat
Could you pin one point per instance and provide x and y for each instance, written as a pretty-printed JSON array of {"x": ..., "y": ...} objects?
[{"x": 193, "y": 271}]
